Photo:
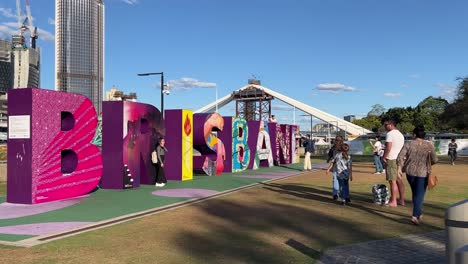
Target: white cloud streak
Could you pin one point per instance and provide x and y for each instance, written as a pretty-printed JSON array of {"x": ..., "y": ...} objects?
[
  {"x": 189, "y": 83},
  {"x": 282, "y": 107},
  {"x": 51, "y": 21},
  {"x": 415, "y": 76},
  {"x": 130, "y": 2},
  {"x": 7, "y": 12},
  {"x": 447, "y": 91},
  {"x": 334, "y": 88},
  {"x": 394, "y": 95},
  {"x": 45, "y": 35}
]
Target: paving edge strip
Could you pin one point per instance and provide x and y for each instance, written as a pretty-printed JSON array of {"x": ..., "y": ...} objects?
[{"x": 34, "y": 241}]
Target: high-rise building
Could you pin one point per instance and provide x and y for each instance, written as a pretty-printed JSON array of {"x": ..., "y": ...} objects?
[
  {"x": 26, "y": 67},
  {"x": 79, "y": 48},
  {"x": 6, "y": 69},
  {"x": 19, "y": 65}
]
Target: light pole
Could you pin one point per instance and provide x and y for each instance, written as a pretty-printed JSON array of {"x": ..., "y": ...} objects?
[
  {"x": 216, "y": 87},
  {"x": 162, "y": 87}
]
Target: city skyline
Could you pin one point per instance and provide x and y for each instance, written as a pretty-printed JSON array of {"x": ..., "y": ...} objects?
[{"x": 339, "y": 57}]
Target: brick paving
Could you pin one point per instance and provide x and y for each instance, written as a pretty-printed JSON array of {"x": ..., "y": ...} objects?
[{"x": 426, "y": 248}]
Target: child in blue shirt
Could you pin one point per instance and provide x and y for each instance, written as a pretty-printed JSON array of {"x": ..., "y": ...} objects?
[{"x": 342, "y": 165}]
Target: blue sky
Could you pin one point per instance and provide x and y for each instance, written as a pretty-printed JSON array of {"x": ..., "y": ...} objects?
[{"x": 340, "y": 56}]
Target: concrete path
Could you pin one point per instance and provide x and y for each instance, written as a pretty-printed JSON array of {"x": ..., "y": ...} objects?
[{"x": 424, "y": 248}]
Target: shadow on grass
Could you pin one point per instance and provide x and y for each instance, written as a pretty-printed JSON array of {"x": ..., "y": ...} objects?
[
  {"x": 286, "y": 230},
  {"x": 361, "y": 201}
]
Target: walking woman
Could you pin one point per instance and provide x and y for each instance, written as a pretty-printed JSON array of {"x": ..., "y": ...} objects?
[
  {"x": 452, "y": 151},
  {"x": 416, "y": 159},
  {"x": 161, "y": 152}
]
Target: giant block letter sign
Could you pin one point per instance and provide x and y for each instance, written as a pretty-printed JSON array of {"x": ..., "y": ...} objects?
[
  {"x": 129, "y": 133},
  {"x": 279, "y": 145},
  {"x": 294, "y": 144},
  {"x": 208, "y": 144},
  {"x": 260, "y": 146},
  {"x": 285, "y": 143},
  {"x": 225, "y": 136},
  {"x": 179, "y": 142},
  {"x": 50, "y": 156},
  {"x": 240, "y": 148}
]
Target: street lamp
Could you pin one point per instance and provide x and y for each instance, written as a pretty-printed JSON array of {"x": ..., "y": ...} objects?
[{"x": 163, "y": 91}]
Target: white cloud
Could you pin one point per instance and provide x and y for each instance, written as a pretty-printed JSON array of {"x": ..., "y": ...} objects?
[
  {"x": 51, "y": 21},
  {"x": 189, "y": 83},
  {"x": 404, "y": 85},
  {"x": 7, "y": 12},
  {"x": 6, "y": 31},
  {"x": 130, "y": 2},
  {"x": 282, "y": 107},
  {"x": 415, "y": 76},
  {"x": 335, "y": 88},
  {"x": 45, "y": 35},
  {"x": 394, "y": 95},
  {"x": 447, "y": 91}
]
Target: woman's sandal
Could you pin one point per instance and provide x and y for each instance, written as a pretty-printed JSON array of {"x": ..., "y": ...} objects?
[{"x": 414, "y": 220}]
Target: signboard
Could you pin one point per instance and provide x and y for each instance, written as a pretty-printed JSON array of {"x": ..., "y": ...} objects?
[{"x": 19, "y": 126}]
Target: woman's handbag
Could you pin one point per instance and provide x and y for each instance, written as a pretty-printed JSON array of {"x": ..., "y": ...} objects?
[
  {"x": 154, "y": 157},
  {"x": 431, "y": 178}
]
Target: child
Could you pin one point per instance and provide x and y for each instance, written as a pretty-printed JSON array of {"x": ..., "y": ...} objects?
[{"x": 342, "y": 166}]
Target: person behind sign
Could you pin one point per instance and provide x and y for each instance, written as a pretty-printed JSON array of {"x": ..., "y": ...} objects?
[
  {"x": 272, "y": 119},
  {"x": 414, "y": 161}
]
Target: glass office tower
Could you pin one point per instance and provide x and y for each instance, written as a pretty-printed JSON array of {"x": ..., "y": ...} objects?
[{"x": 79, "y": 48}]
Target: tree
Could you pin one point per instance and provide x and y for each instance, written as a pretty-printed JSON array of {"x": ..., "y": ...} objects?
[
  {"x": 404, "y": 117},
  {"x": 455, "y": 116},
  {"x": 433, "y": 105},
  {"x": 370, "y": 122},
  {"x": 376, "y": 110},
  {"x": 428, "y": 112}
]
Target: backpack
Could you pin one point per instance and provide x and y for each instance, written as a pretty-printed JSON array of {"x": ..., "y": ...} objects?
[
  {"x": 380, "y": 194},
  {"x": 154, "y": 157}
]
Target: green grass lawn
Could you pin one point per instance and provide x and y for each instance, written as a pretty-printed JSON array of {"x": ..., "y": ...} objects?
[
  {"x": 2, "y": 189},
  {"x": 287, "y": 221}
]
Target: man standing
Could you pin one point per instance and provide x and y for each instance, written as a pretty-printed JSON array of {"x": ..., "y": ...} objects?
[
  {"x": 272, "y": 119},
  {"x": 309, "y": 147},
  {"x": 394, "y": 143},
  {"x": 377, "y": 146}
]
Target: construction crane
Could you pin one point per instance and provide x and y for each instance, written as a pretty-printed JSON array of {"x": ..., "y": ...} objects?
[
  {"x": 32, "y": 28},
  {"x": 26, "y": 25}
]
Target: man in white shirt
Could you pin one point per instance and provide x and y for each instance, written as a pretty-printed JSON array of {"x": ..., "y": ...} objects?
[
  {"x": 272, "y": 119},
  {"x": 377, "y": 146},
  {"x": 394, "y": 143}
]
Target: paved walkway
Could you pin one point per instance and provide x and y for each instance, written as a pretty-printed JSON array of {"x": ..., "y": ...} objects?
[{"x": 425, "y": 248}]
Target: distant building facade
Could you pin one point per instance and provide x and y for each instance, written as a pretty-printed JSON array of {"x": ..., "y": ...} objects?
[
  {"x": 79, "y": 48},
  {"x": 26, "y": 68},
  {"x": 6, "y": 67},
  {"x": 350, "y": 118},
  {"x": 117, "y": 95}
]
